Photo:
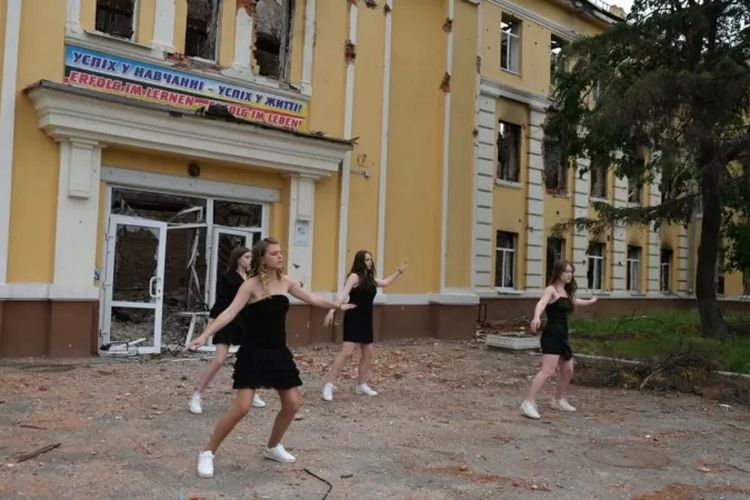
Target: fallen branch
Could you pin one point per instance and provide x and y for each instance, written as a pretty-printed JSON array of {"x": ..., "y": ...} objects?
[
  {"x": 44, "y": 449},
  {"x": 330, "y": 486}
]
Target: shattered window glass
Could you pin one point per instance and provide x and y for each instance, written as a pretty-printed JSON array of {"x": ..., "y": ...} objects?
[
  {"x": 273, "y": 21},
  {"x": 115, "y": 17},
  {"x": 234, "y": 214},
  {"x": 158, "y": 206},
  {"x": 202, "y": 29}
]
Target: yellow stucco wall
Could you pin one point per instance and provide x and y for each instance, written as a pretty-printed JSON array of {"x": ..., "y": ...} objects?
[
  {"x": 144, "y": 31},
  {"x": 36, "y": 157},
  {"x": 298, "y": 41},
  {"x": 326, "y": 114},
  {"x": 461, "y": 153},
  {"x": 367, "y": 121},
  {"x": 416, "y": 129}
]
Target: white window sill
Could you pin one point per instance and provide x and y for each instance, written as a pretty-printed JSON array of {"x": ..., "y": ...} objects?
[
  {"x": 632, "y": 204},
  {"x": 558, "y": 194},
  {"x": 508, "y": 184},
  {"x": 510, "y": 71},
  {"x": 634, "y": 293},
  {"x": 507, "y": 291},
  {"x": 103, "y": 42},
  {"x": 598, "y": 200}
]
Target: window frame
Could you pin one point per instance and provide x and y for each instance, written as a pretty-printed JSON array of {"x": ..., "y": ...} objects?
[
  {"x": 633, "y": 269},
  {"x": 598, "y": 262},
  {"x": 558, "y": 255},
  {"x": 503, "y": 169},
  {"x": 502, "y": 263},
  {"x": 133, "y": 18},
  {"x": 665, "y": 285},
  {"x": 513, "y": 41},
  {"x": 219, "y": 6}
]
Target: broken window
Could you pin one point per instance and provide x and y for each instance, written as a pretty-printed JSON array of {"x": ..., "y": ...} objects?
[
  {"x": 508, "y": 152},
  {"x": 555, "y": 165},
  {"x": 510, "y": 44},
  {"x": 556, "y": 47},
  {"x": 116, "y": 17},
  {"x": 505, "y": 260},
  {"x": 634, "y": 191},
  {"x": 202, "y": 29},
  {"x": 273, "y": 36},
  {"x": 555, "y": 252},
  {"x": 598, "y": 181},
  {"x": 233, "y": 214}
]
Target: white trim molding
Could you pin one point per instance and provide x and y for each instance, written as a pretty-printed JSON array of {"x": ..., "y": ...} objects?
[
  {"x": 492, "y": 88},
  {"x": 308, "y": 49},
  {"x": 73, "y": 20},
  {"x": 8, "y": 97},
  {"x": 243, "y": 40},
  {"x": 347, "y": 164},
  {"x": 188, "y": 185},
  {"x": 65, "y": 112},
  {"x": 446, "y": 153},
  {"x": 46, "y": 291},
  {"x": 301, "y": 227},
  {"x": 535, "y": 234},
  {"x": 484, "y": 180},
  {"x": 385, "y": 118},
  {"x": 164, "y": 18}
]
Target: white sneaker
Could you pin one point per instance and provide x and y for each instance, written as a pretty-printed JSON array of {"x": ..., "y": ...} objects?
[
  {"x": 530, "y": 410},
  {"x": 364, "y": 390},
  {"x": 206, "y": 464},
  {"x": 195, "y": 404},
  {"x": 279, "y": 454},
  {"x": 562, "y": 405},
  {"x": 257, "y": 402},
  {"x": 328, "y": 392}
]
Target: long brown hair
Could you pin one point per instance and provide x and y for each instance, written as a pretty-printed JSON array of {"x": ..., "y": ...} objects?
[
  {"x": 570, "y": 288},
  {"x": 366, "y": 276},
  {"x": 258, "y": 265},
  {"x": 234, "y": 258}
]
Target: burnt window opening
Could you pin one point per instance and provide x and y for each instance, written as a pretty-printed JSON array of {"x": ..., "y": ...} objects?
[
  {"x": 116, "y": 17},
  {"x": 201, "y": 31},
  {"x": 273, "y": 37},
  {"x": 556, "y": 164}
]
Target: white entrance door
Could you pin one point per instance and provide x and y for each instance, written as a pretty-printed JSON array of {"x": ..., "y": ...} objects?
[
  {"x": 223, "y": 241},
  {"x": 134, "y": 281}
]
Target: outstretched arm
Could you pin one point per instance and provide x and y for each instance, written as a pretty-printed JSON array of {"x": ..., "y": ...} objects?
[
  {"x": 297, "y": 292},
  {"x": 226, "y": 317},
  {"x": 351, "y": 282},
  {"x": 393, "y": 277},
  {"x": 586, "y": 302}
]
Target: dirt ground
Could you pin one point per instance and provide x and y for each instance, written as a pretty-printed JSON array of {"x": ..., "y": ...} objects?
[{"x": 445, "y": 425}]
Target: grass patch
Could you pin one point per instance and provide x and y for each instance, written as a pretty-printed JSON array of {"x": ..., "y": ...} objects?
[{"x": 655, "y": 335}]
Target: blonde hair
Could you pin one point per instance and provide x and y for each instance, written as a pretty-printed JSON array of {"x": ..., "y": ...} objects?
[{"x": 258, "y": 264}]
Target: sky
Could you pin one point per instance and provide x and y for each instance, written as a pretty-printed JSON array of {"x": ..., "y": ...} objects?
[{"x": 625, "y": 4}]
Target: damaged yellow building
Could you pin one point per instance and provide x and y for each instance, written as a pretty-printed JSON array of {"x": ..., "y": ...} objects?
[{"x": 140, "y": 140}]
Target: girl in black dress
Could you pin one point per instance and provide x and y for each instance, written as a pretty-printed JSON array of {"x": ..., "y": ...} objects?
[
  {"x": 360, "y": 286},
  {"x": 226, "y": 288},
  {"x": 558, "y": 300},
  {"x": 263, "y": 359}
]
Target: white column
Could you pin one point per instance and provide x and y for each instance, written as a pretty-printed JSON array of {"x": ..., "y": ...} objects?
[
  {"x": 77, "y": 213},
  {"x": 535, "y": 204},
  {"x": 309, "y": 45},
  {"x": 581, "y": 191},
  {"x": 243, "y": 40},
  {"x": 164, "y": 19},
  {"x": 619, "y": 266},
  {"x": 73, "y": 22},
  {"x": 484, "y": 179},
  {"x": 683, "y": 260},
  {"x": 347, "y": 164},
  {"x": 654, "y": 242},
  {"x": 383, "y": 177},
  {"x": 8, "y": 97},
  {"x": 301, "y": 228}
]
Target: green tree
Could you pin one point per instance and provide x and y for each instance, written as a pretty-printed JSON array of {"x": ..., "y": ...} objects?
[{"x": 664, "y": 97}]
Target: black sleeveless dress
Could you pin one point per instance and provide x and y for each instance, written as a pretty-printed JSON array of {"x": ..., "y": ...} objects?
[
  {"x": 263, "y": 359},
  {"x": 555, "y": 335},
  {"x": 226, "y": 288},
  {"x": 358, "y": 321}
]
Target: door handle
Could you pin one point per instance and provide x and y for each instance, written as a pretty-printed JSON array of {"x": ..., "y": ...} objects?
[{"x": 152, "y": 292}]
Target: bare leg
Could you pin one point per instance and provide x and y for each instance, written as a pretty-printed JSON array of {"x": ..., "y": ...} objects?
[
  {"x": 289, "y": 406},
  {"x": 347, "y": 349},
  {"x": 365, "y": 361},
  {"x": 233, "y": 415},
  {"x": 222, "y": 350},
  {"x": 566, "y": 373},
  {"x": 549, "y": 364}
]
